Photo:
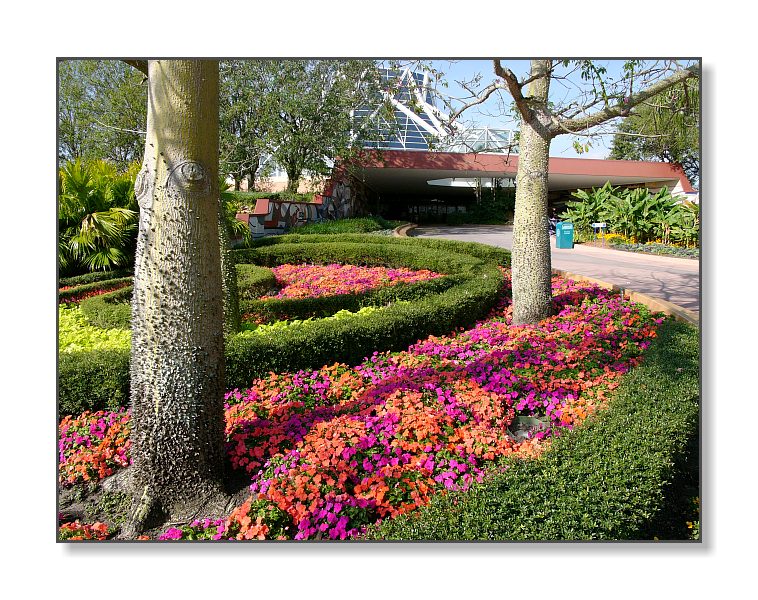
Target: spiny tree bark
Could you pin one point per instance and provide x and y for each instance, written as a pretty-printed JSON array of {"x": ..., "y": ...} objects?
[
  {"x": 177, "y": 364},
  {"x": 530, "y": 256}
]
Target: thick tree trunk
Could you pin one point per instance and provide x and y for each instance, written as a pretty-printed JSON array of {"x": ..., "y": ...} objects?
[
  {"x": 177, "y": 364},
  {"x": 293, "y": 179},
  {"x": 531, "y": 268}
]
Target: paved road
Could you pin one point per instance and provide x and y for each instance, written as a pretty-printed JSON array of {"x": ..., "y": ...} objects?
[{"x": 674, "y": 279}]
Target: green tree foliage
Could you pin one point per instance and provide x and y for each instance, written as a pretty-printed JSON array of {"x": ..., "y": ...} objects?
[
  {"x": 97, "y": 216},
  {"x": 666, "y": 129},
  {"x": 245, "y": 118},
  {"x": 636, "y": 214},
  {"x": 102, "y": 109},
  {"x": 312, "y": 104}
]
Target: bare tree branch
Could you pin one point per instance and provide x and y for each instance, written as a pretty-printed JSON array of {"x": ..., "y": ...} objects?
[
  {"x": 483, "y": 96},
  {"x": 624, "y": 107},
  {"x": 140, "y": 65},
  {"x": 514, "y": 87},
  {"x": 119, "y": 128}
]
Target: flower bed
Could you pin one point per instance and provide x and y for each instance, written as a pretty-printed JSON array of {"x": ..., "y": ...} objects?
[
  {"x": 334, "y": 450},
  {"x": 311, "y": 281},
  {"x": 91, "y": 379},
  {"x": 92, "y": 445},
  {"x": 660, "y": 249}
]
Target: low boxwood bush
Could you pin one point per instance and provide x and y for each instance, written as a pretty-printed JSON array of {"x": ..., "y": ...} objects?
[
  {"x": 472, "y": 249},
  {"x": 93, "y": 277},
  {"x": 608, "y": 479},
  {"x": 94, "y": 380},
  {"x": 111, "y": 310},
  {"x": 253, "y": 282}
]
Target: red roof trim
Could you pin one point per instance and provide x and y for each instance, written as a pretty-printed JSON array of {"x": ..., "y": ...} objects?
[{"x": 404, "y": 159}]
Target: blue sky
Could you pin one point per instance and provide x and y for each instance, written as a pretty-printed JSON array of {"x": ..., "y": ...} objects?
[{"x": 491, "y": 112}]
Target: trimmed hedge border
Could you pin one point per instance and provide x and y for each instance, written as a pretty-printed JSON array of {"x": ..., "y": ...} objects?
[
  {"x": 608, "y": 479},
  {"x": 253, "y": 282},
  {"x": 323, "y": 306},
  {"x": 88, "y": 287},
  {"x": 471, "y": 290},
  {"x": 111, "y": 310},
  {"x": 481, "y": 251},
  {"x": 93, "y": 381},
  {"x": 93, "y": 277}
]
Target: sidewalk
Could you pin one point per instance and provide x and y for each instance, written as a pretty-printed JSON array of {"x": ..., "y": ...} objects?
[{"x": 675, "y": 280}]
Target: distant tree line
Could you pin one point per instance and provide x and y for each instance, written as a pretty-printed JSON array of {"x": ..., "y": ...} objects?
[{"x": 297, "y": 114}]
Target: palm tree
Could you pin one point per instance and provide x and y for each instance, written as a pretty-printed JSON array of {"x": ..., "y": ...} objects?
[{"x": 96, "y": 220}]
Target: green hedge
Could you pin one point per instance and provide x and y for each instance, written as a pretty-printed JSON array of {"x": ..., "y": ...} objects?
[
  {"x": 324, "y": 306},
  {"x": 396, "y": 326},
  {"x": 92, "y": 381},
  {"x": 459, "y": 301},
  {"x": 253, "y": 282},
  {"x": 353, "y": 225},
  {"x": 488, "y": 253},
  {"x": 89, "y": 287},
  {"x": 111, "y": 310},
  {"x": 466, "y": 296},
  {"x": 93, "y": 277},
  {"x": 608, "y": 479}
]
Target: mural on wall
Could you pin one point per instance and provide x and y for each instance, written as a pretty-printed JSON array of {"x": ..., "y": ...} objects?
[{"x": 343, "y": 198}]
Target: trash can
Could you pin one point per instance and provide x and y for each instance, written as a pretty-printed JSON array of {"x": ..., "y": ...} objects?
[{"x": 564, "y": 235}]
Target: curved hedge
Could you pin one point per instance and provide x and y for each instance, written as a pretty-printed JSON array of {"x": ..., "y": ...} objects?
[
  {"x": 481, "y": 251},
  {"x": 253, "y": 282},
  {"x": 274, "y": 309},
  {"x": 608, "y": 479},
  {"x": 89, "y": 287},
  {"x": 95, "y": 380},
  {"x": 395, "y": 326},
  {"x": 458, "y": 300},
  {"x": 110, "y": 310},
  {"x": 94, "y": 277}
]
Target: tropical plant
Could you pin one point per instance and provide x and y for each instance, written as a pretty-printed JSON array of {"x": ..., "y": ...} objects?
[
  {"x": 636, "y": 214},
  {"x": 685, "y": 228},
  {"x": 590, "y": 207},
  {"x": 97, "y": 216}
]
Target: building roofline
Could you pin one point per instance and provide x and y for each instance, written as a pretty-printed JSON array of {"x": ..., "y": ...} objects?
[{"x": 508, "y": 164}]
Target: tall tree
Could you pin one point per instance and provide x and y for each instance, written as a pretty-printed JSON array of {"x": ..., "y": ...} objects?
[
  {"x": 313, "y": 106},
  {"x": 665, "y": 128},
  {"x": 101, "y": 111},
  {"x": 245, "y": 118},
  {"x": 177, "y": 358},
  {"x": 604, "y": 99}
]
